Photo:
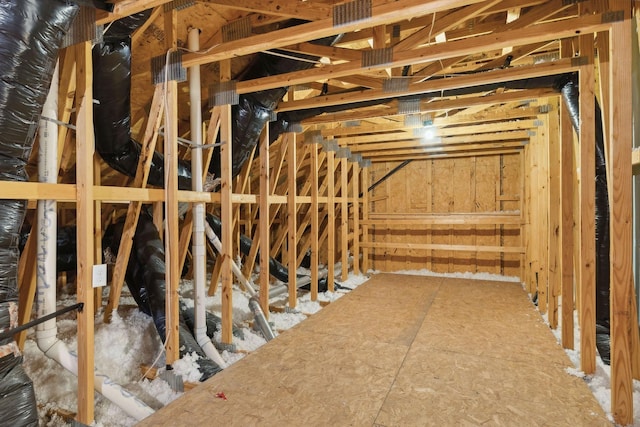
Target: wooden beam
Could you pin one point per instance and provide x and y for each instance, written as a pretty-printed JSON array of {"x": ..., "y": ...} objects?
[
  {"x": 226, "y": 210},
  {"x": 477, "y": 218},
  {"x": 555, "y": 216},
  {"x": 587, "y": 210},
  {"x": 620, "y": 143},
  {"x": 560, "y": 66},
  {"x": 355, "y": 203},
  {"x": 331, "y": 221},
  {"x": 314, "y": 222},
  {"x": 381, "y": 14},
  {"x": 290, "y": 140},
  {"x": 331, "y": 52},
  {"x": 390, "y": 109},
  {"x": 432, "y": 156},
  {"x": 432, "y": 53},
  {"x": 444, "y": 149},
  {"x": 440, "y": 123},
  {"x": 443, "y": 23},
  {"x": 567, "y": 172},
  {"x": 171, "y": 231},
  {"x": 85, "y": 148},
  {"x": 444, "y": 247},
  {"x": 264, "y": 220},
  {"x": 309, "y": 11},
  {"x": 542, "y": 214},
  {"x": 439, "y": 136},
  {"x": 97, "y": 233},
  {"x": 449, "y": 144},
  {"x": 125, "y": 8},
  {"x": 344, "y": 219}
]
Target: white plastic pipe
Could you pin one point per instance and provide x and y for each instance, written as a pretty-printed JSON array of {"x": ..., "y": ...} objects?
[
  {"x": 198, "y": 249},
  {"x": 46, "y": 333},
  {"x": 215, "y": 240}
]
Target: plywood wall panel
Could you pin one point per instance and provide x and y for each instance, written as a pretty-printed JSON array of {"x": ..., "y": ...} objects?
[
  {"x": 487, "y": 189},
  {"x": 511, "y": 201},
  {"x": 469, "y": 185},
  {"x": 443, "y": 202}
]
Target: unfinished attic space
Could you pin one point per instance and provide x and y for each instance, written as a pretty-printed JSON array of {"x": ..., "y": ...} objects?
[{"x": 319, "y": 213}]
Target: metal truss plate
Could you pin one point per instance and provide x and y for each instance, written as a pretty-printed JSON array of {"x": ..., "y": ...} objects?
[
  {"x": 168, "y": 68},
  {"x": 353, "y": 11},
  {"x": 224, "y": 93}
]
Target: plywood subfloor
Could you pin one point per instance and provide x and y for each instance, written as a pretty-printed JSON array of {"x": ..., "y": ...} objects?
[{"x": 402, "y": 351}]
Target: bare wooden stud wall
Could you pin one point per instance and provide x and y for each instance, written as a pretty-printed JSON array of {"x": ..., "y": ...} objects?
[
  {"x": 423, "y": 220},
  {"x": 521, "y": 179}
]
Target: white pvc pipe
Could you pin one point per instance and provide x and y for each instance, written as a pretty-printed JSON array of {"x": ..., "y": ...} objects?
[
  {"x": 46, "y": 332},
  {"x": 215, "y": 240},
  {"x": 198, "y": 249}
]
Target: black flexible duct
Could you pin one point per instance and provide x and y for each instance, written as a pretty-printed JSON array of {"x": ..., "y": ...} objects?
[
  {"x": 145, "y": 279},
  {"x": 112, "y": 113},
  {"x": 31, "y": 35},
  {"x": 568, "y": 86},
  {"x": 296, "y": 116},
  {"x": 66, "y": 252}
]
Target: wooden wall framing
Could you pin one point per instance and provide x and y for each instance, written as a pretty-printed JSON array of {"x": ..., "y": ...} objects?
[{"x": 482, "y": 207}]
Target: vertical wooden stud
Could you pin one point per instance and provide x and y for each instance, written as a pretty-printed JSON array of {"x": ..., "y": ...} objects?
[
  {"x": 292, "y": 223},
  {"x": 171, "y": 234},
  {"x": 542, "y": 134},
  {"x": 566, "y": 231},
  {"x": 621, "y": 283},
  {"x": 97, "y": 234},
  {"x": 85, "y": 148},
  {"x": 355, "y": 175},
  {"x": 331, "y": 221},
  {"x": 555, "y": 277},
  {"x": 314, "y": 222},
  {"x": 263, "y": 224},
  {"x": 344, "y": 218},
  {"x": 587, "y": 210},
  {"x": 226, "y": 209},
  {"x": 365, "y": 217}
]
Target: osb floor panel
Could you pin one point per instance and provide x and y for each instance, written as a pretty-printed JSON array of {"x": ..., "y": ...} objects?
[{"x": 401, "y": 351}]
